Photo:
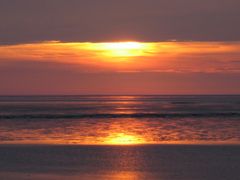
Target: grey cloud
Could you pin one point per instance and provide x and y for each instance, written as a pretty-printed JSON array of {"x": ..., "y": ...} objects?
[
  {"x": 54, "y": 78},
  {"x": 107, "y": 20}
]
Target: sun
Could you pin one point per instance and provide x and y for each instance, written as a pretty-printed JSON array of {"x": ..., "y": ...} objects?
[
  {"x": 124, "y": 49},
  {"x": 123, "y": 45},
  {"x": 120, "y": 49}
]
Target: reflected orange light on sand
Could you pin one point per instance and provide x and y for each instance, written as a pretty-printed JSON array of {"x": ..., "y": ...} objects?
[
  {"x": 124, "y": 176},
  {"x": 123, "y": 139}
]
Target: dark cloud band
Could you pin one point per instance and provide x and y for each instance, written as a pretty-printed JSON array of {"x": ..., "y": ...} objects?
[{"x": 111, "y": 20}]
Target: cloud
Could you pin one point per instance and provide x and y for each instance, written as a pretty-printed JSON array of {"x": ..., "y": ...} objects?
[
  {"x": 111, "y": 20},
  {"x": 91, "y": 68},
  {"x": 26, "y": 78},
  {"x": 146, "y": 57}
]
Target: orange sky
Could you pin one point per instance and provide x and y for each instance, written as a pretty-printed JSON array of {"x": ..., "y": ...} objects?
[
  {"x": 132, "y": 56},
  {"x": 154, "y": 68}
]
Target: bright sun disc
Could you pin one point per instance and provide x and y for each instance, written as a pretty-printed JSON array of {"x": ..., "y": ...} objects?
[
  {"x": 122, "y": 49},
  {"x": 123, "y": 45}
]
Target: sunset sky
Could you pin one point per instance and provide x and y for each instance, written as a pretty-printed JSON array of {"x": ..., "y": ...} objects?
[{"x": 119, "y": 47}]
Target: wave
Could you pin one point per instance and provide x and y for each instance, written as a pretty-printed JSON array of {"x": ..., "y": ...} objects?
[{"x": 134, "y": 115}]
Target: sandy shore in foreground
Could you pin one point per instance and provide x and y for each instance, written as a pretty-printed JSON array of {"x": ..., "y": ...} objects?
[{"x": 152, "y": 162}]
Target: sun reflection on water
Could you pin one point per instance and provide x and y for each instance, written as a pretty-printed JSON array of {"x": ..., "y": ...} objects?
[{"x": 123, "y": 139}]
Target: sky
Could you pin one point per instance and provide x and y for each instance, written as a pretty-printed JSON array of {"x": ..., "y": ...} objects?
[{"x": 119, "y": 47}]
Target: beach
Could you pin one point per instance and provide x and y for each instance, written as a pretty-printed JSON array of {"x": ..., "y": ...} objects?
[{"x": 151, "y": 162}]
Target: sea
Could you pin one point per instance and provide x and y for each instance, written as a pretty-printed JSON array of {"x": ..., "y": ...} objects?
[
  {"x": 152, "y": 137},
  {"x": 120, "y": 119}
]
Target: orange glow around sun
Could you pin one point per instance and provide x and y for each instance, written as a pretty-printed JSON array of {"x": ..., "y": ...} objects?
[{"x": 130, "y": 56}]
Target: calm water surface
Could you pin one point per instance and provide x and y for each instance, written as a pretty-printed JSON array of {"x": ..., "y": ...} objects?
[{"x": 120, "y": 119}]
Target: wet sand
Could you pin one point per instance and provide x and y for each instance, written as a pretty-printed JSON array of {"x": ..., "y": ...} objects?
[{"x": 151, "y": 162}]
